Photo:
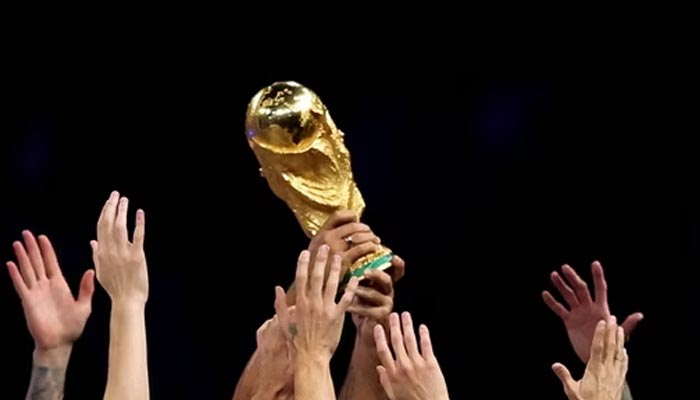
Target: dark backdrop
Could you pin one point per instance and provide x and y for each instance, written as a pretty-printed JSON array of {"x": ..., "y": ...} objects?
[{"x": 484, "y": 175}]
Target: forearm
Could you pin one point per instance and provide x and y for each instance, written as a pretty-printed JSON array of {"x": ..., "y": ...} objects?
[
  {"x": 245, "y": 388},
  {"x": 281, "y": 394},
  {"x": 255, "y": 384},
  {"x": 127, "y": 376},
  {"x": 312, "y": 378},
  {"x": 362, "y": 380},
  {"x": 626, "y": 393},
  {"x": 49, "y": 374}
]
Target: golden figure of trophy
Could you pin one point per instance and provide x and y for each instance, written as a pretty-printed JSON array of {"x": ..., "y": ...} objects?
[{"x": 304, "y": 159}]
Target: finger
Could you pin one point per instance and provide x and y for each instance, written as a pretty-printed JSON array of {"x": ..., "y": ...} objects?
[
  {"x": 398, "y": 268},
  {"x": 554, "y": 305},
  {"x": 381, "y": 281},
  {"x": 385, "y": 382},
  {"x": 109, "y": 212},
  {"x": 281, "y": 310},
  {"x": 50, "y": 260},
  {"x": 302, "y": 274},
  {"x": 565, "y": 377},
  {"x": 87, "y": 287},
  {"x": 364, "y": 237},
  {"x": 333, "y": 278},
  {"x": 409, "y": 336},
  {"x": 372, "y": 297},
  {"x": 318, "y": 272},
  {"x": 140, "y": 229},
  {"x": 619, "y": 343},
  {"x": 564, "y": 290},
  {"x": 120, "y": 231},
  {"x": 34, "y": 253},
  {"x": 259, "y": 334},
  {"x": 352, "y": 228},
  {"x": 397, "y": 339},
  {"x": 359, "y": 251},
  {"x": 599, "y": 284},
  {"x": 623, "y": 363},
  {"x": 597, "y": 346},
  {"x": 610, "y": 340},
  {"x": 579, "y": 285},
  {"x": 94, "y": 247},
  {"x": 426, "y": 345},
  {"x": 383, "y": 351},
  {"x": 339, "y": 218},
  {"x": 20, "y": 287},
  {"x": 348, "y": 296},
  {"x": 631, "y": 322},
  {"x": 25, "y": 265}
]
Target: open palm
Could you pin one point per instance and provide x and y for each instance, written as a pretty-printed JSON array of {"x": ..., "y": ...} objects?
[
  {"x": 584, "y": 312},
  {"x": 54, "y": 317}
]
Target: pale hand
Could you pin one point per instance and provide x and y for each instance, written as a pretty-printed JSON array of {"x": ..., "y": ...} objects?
[
  {"x": 584, "y": 312},
  {"x": 412, "y": 375},
  {"x": 121, "y": 264},
  {"x": 54, "y": 317},
  {"x": 318, "y": 320},
  {"x": 275, "y": 353},
  {"x": 604, "y": 378}
]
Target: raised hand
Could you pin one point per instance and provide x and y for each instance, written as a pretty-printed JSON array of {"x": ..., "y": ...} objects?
[
  {"x": 319, "y": 320},
  {"x": 373, "y": 304},
  {"x": 54, "y": 317},
  {"x": 120, "y": 263},
  {"x": 604, "y": 378},
  {"x": 276, "y": 380},
  {"x": 413, "y": 374},
  {"x": 584, "y": 312}
]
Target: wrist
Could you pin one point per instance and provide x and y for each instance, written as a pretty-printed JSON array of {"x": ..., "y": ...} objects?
[
  {"x": 312, "y": 358},
  {"x": 56, "y": 357},
  {"x": 128, "y": 306},
  {"x": 282, "y": 391}
]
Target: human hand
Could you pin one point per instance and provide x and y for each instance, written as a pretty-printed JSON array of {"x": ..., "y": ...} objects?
[
  {"x": 120, "y": 264},
  {"x": 584, "y": 312},
  {"x": 604, "y": 378},
  {"x": 413, "y": 375},
  {"x": 318, "y": 320},
  {"x": 54, "y": 317}
]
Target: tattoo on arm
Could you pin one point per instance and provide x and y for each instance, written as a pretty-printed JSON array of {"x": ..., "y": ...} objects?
[
  {"x": 293, "y": 330},
  {"x": 46, "y": 383}
]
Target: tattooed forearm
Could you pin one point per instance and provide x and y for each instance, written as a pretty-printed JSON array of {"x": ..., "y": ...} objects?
[{"x": 46, "y": 383}]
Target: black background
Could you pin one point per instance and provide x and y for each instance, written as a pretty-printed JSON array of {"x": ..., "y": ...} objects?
[{"x": 484, "y": 173}]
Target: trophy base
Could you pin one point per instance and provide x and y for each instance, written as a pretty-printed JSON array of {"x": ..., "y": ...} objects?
[{"x": 379, "y": 260}]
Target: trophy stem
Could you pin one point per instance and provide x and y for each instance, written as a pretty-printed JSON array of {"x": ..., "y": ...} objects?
[{"x": 380, "y": 260}]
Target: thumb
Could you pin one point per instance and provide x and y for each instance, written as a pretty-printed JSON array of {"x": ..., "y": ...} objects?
[
  {"x": 564, "y": 376},
  {"x": 630, "y": 323},
  {"x": 93, "y": 246},
  {"x": 87, "y": 287}
]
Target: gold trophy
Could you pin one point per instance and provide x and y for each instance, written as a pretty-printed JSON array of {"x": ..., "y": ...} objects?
[{"x": 304, "y": 159}]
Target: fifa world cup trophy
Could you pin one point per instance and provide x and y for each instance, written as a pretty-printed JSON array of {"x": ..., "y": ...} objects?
[{"x": 304, "y": 159}]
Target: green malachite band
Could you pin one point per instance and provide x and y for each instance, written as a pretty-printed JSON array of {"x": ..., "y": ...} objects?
[{"x": 385, "y": 259}]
